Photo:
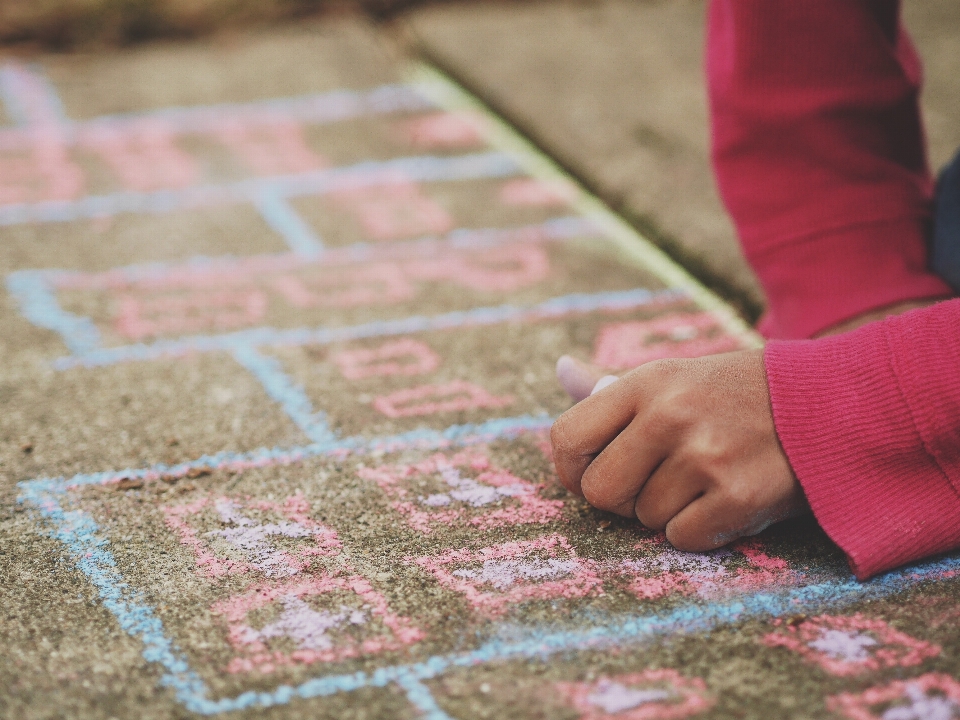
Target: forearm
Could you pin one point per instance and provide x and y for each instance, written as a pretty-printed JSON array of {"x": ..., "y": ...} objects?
[{"x": 819, "y": 155}]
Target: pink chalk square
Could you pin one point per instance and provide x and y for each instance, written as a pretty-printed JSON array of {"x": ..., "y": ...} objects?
[
  {"x": 851, "y": 645},
  {"x": 664, "y": 571},
  {"x": 495, "y": 270},
  {"x": 395, "y": 209},
  {"x": 933, "y": 696},
  {"x": 453, "y": 396},
  {"x": 320, "y": 618},
  {"x": 461, "y": 490},
  {"x": 367, "y": 285},
  {"x": 39, "y": 171},
  {"x": 274, "y": 146},
  {"x": 272, "y": 539},
  {"x": 530, "y": 192},
  {"x": 649, "y": 695},
  {"x": 153, "y": 315},
  {"x": 405, "y": 356},
  {"x": 444, "y": 131},
  {"x": 146, "y": 157},
  {"x": 626, "y": 345},
  {"x": 230, "y": 294},
  {"x": 496, "y": 578}
]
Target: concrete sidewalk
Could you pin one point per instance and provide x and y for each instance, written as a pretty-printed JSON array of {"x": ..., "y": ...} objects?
[{"x": 277, "y": 340}]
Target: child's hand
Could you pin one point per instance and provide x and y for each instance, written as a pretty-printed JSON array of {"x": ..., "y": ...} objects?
[{"x": 688, "y": 446}]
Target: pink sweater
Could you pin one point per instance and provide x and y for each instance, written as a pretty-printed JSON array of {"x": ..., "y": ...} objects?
[{"x": 820, "y": 157}]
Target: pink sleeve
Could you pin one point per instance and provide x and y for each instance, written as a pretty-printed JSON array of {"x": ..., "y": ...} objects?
[
  {"x": 819, "y": 155},
  {"x": 870, "y": 421}
]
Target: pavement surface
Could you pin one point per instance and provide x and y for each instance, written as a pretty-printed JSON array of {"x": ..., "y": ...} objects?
[{"x": 277, "y": 349}]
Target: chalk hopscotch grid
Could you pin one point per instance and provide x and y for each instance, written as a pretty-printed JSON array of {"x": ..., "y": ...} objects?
[
  {"x": 35, "y": 290},
  {"x": 79, "y": 532}
]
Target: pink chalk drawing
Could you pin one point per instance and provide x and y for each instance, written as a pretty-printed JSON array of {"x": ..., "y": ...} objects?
[
  {"x": 34, "y": 164},
  {"x": 40, "y": 170},
  {"x": 352, "y": 287},
  {"x": 537, "y": 193},
  {"x": 326, "y": 617},
  {"x": 649, "y": 695},
  {"x": 453, "y": 396},
  {"x": 667, "y": 571},
  {"x": 499, "y": 269},
  {"x": 445, "y": 130},
  {"x": 851, "y": 645},
  {"x": 440, "y": 491},
  {"x": 138, "y": 318},
  {"x": 396, "y": 357},
  {"x": 933, "y": 696},
  {"x": 626, "y": 345},
  {"x": 275, "y": 147},
  {"x": 496, "y": 578},
  {"x": 394, "y": 210},
  {"x": 541, "y": 439},
  {"x": 515, "y": 264},
  {"x": 146, "y": 157},
  {"x": 226, "y": 294},
  {"x": 242, "y": 544}
]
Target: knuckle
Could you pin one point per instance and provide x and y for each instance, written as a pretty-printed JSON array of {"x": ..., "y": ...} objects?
[
  {"x": 666, "y": 367},
  {"x": 674, "y": 405},
  {"x": 709, "y": 453},
  {"x": 669, "y": 412},
  {"x": 740, "y": 499}
]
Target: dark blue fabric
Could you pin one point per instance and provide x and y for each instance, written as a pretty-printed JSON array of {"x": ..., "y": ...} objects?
[{"x": 945, "y": 246}]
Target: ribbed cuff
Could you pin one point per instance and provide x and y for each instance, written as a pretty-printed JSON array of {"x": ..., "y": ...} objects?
[
  {"x": 815, "y": 283},
  {"x": 869, "y": 421}
]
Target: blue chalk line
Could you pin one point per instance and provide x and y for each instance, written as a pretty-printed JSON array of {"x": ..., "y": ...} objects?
[
  {"x": 38, "y": 303},
  {"x": 556, "y": 307},
  {"x": 283, "y": 219},
  {"x": 421, "y": 168},
  {"x": 291, "y": 396},
  {"x": 11, "y": 95},
  {"x": 315, "y": 109}
]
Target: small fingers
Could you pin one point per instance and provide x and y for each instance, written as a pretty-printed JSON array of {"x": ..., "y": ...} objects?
[
  {"x": 699, "y": 527},
  {"x": 617, "y": 475},
  {"x": 582, "y": 432},
  {"x": 705, "y": 524},
  {"x": 668, "y": 490}
]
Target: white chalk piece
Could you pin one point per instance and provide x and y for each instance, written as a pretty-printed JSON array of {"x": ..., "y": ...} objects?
[{"x": 603, "y": 382}]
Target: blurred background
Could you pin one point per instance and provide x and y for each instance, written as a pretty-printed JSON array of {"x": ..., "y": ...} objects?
[
  {"x": 611, "y": 89},
  {"x": 71, "y": 24}
]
